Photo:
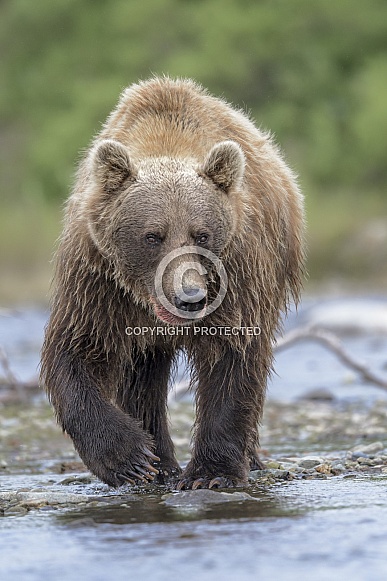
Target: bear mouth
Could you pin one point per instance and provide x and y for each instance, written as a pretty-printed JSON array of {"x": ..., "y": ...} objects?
[{"x": 170, "y": 318}]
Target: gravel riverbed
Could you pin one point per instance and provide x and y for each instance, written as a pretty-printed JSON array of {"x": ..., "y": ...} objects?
[{"x": 308, "y": 439}]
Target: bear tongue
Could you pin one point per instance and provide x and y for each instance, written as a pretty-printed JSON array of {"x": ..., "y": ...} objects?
[{"x": 164, "y": 315}]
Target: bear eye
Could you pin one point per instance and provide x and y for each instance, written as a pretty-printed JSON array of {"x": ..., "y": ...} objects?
[
  {"x": 201, "y": 239},
  {"x": 153, "y": 239}
]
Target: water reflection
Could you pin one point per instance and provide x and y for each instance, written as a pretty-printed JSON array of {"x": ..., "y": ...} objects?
[{"x": 155, "y": 509}]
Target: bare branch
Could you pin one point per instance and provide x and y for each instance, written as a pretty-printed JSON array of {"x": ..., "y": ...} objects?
[
  {"x": 11, "y": 388},
  {"x": 9, "y": 377}
]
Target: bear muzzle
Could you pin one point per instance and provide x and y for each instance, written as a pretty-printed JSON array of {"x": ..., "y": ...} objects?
[{"x": 191, "y": 300}]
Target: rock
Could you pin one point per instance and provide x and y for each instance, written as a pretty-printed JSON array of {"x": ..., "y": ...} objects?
[
  {"x": 272, "y": 474},
  {"x": 83, "y": 479},
  {"x": 338, "y": 468},
  {"x": 310, "y": 461},
  {"x": 258, "y": 474},
  {"x": 37, "y": 499},
  {"x": 7, "y": 496},
  {"x": 357, "y": 455},
  {"x": 369, "y": 448},
  {"x": 290, "y": 466},
  {"x": 318, "y": 394},
  {"x": 367, "y": 461},
  {"x": 337, "y": 463},
  {"x": 282, "y": 474},
  {"x": 298, "y": 470},
  {"x": 15, "y": 511},
  {"x": 323, "y": 468},
  {"x": 273, "y": 464},
  {"x": 202, "y": 497}
]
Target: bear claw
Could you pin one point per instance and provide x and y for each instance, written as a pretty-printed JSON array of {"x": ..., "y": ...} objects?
[
  {"x": 148, "y": 473},
  {"x": 150, "y": 454},
  {"x": 216, "y": 482},
  {"x": 135, "y": 472},
  {"x": 198, "y": 483},
  {"x": 125, "y": 478}
]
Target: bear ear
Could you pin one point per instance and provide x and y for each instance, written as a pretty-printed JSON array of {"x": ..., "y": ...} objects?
[
  {"x": 112, "y": 165},
  {"x": 225, "y": 165}
]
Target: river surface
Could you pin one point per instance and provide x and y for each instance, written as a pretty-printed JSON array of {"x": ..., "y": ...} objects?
[{"x": 305, "y": 527}]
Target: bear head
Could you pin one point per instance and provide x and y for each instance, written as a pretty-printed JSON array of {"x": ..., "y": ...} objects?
[{"x": 162, "y": 220}]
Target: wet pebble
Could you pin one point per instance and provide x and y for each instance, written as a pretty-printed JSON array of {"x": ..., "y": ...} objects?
[
  {"x": 87, "y": 479},
  {"x": 317, "y": 467},
  {"x": 310, "y": 461},
  {"x": 271, "y": 474},
  {"x": 369, "y": 448},
  {"x": 318, "y": 476},
  {"x": 7, "y": 496},
  {"x": 324, "y": 468},
  {"x": 357, "y": 455},
  {"x": 337, "y": 467},
  {"x": 15, "y": 511},
  {"x": 35, "y": 499},
  {"x": 290, "y": 466},
  {"x": 367, "y": 461},
  {"x": 272, "y": 464}
]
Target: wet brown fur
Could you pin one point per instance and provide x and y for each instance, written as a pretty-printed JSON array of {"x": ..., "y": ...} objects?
[{"x": 109, "y": 390}]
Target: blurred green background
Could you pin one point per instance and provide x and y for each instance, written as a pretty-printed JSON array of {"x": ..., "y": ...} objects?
[{"x": 313, "y": 72}]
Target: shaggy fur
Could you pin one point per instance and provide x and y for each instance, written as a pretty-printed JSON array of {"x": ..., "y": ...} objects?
[{"x": 172, "y": 166}]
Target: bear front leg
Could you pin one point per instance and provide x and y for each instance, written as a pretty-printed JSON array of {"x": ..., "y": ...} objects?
[
  {"x": 143, "y": 395},
  {"x": 111, "y": 444},
  {"x": 229, "y": 404}
]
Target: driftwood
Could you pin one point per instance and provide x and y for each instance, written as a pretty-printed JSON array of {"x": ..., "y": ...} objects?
[{"x": 13, "y": 389}]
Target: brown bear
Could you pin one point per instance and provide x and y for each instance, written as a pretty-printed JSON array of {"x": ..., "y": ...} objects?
[{"x": 180, "y": 178}]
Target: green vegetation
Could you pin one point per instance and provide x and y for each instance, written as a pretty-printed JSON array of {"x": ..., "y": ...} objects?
[{"x": 315, "y": 73}]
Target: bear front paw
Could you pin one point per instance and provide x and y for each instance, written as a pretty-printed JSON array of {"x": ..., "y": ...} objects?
[
  {"x": 203, "y": 472},
  {"x": 118, "y": 452},
  {"x": 131, "y": 465},
  {"x": 138, "y": 468},
  {"x": 193, "y": 478}
]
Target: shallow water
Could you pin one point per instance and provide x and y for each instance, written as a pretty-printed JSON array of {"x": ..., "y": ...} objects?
[
  {"x": 323, "y": 529},
  {"x": 318, "y": 528}
]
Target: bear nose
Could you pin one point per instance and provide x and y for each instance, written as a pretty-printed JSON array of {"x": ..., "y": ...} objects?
[{"x": 191, "y": 300}]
